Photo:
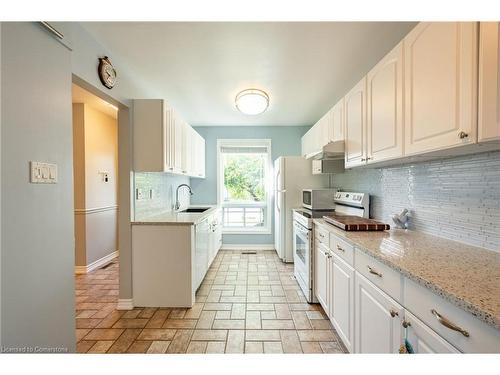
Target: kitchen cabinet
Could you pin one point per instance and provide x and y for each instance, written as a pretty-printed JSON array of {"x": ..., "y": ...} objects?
[
  {"x": 489, "y": 87},
  {"x": 336, "y": 124},
  {"x": 342, "y": 300},
  {"x": 378, "y": 326},
  {"x": 422, "y": 338},
  {"x": 164, "y": 142},
  {"x": 329, "y": 129},
  {"x": 202, "y": 232},
  {"x": 440, "y": 83},
  {"x": 385, "y": 108},
  {"x": 355, "y": 125},
  {"x": 215, "y": 235},
  {"x": 322, "y": 274}
]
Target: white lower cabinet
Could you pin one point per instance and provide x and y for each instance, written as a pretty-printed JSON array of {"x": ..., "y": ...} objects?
[
  {"x": 378, "y": 326},
  {"x": 423, "y": 339},
  {"x": 321, "y": 275},
  {"x": 342, "y": 300},
  {"x": 201, "y": 251}
]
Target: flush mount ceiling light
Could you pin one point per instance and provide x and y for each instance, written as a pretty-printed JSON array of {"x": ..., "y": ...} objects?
[{"x": 252, "y": 101}]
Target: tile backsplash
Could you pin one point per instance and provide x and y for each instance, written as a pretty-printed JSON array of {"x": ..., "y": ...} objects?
[
  {"x": 456, "y": 198},
  {"x": 163, "y": 186}
]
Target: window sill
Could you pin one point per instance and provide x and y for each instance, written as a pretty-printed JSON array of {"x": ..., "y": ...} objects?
[{"x": 246, "y": 231}]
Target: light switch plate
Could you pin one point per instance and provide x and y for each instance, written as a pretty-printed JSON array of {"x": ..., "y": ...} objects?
[{"x": 43, "y": 173}]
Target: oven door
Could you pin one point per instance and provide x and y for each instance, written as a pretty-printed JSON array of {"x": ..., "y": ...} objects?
[{"x": 302, "y": 258}]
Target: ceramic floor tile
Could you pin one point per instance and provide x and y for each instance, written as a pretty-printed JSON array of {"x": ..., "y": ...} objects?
[{"x": 246, "y": 303}]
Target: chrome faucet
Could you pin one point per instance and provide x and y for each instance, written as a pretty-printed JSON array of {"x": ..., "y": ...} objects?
[{"x": 177, "y": 203}]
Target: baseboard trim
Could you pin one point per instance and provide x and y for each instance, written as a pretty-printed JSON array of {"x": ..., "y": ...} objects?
[
  {"x": 97, "y": 264},
  {"x": 125, "y": 304},
  {"x": 247, "y": 247}
]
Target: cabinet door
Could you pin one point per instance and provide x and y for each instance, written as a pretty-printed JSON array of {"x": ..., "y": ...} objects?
[
  {"x": 201, "y": 252},
  {"x": 178, "y": 130},
  {"x": 489, "y": 87},
  {"x": 440, "y": 86},
  {"x": 336, "y": 130},
  {"x": 185, "y": 147},
  {"x": 355, "y": 125},
  {"x": 385, "y": 108},
  {"x": 342, "y": 300},
  {"x": 321, "y": 260},
  {"x": 169, "y": 140},
  {"x": 377, "y": 323},
  {"x": 423, "y": 339}
]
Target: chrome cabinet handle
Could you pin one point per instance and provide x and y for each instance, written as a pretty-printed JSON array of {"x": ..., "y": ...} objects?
[
  {"x": 372, "y": 271},
  {"x": 340, "y": 249},
  {"x": 393, "y": 313},
  {"x": 462, "y": 135},
  {"x": 448, "y": 324}
]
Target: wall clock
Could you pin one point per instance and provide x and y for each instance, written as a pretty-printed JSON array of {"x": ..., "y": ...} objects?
[{"x": 107, "y": 73}]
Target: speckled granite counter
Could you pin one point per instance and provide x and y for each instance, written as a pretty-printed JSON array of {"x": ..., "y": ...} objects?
[
  {"x": 176, "y": 218},
  {"x": 467, "y": 276}
]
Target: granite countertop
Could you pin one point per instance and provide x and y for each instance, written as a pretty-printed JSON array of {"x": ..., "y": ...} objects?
[
  {"x": 465, "y": 275},
  {"x": 176, "y": 218}
]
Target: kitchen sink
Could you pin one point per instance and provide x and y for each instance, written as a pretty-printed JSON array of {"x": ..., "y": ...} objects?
[{"x": 194, "y": 210}]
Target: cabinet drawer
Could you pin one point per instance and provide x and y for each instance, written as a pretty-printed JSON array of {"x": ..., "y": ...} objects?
[
  {"x": 425, "y": 304},
  {"x": 342, "y": 248},
  {"x": 387, "y": 279},
  {"x": 321, "y": 234}
]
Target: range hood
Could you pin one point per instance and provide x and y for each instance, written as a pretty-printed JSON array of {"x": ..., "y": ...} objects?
[{"x": 331, "y": 151}]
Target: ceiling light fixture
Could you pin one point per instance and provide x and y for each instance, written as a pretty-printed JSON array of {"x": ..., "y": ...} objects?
[{"x": 252, "y": 101}]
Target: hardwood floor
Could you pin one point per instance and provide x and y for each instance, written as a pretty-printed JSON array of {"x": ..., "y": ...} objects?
[{"x": 246, "y": 304}]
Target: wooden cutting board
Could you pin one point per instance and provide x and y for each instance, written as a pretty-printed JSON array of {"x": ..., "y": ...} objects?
[{"x": 355, "y": 223}]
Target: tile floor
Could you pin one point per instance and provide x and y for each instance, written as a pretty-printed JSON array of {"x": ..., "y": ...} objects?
[{"x": 246, "y": 304}]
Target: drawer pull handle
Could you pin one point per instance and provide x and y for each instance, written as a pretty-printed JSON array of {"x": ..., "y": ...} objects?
[
  {"x": 394, "y": 313},
  {"x": 462, "y": 135},
  {"x": 441, "y": 319},
  {"x": 373, "y": 272},
  {"x": 340, "y": 249}
]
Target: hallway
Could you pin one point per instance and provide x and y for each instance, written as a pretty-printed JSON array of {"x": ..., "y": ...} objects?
[{"x": 246, "y": 304}]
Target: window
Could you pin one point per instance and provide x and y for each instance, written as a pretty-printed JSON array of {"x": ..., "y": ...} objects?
[{"x": 243, "y": 184}]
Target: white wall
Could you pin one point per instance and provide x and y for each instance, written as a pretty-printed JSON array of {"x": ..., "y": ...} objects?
[{"x": 37, "y": 220}]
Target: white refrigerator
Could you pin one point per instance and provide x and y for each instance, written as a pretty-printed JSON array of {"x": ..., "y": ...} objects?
[{"x": 291, "y": 175}]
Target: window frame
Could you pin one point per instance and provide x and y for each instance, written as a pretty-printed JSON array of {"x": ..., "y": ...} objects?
[{"x": 267, "y": 228}]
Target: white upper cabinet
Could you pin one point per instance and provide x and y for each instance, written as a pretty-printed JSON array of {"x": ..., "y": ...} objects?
[
  {"x": 336, "y": 125},
  {"x": 164, "y": 142},
  {"x": 489, "y": 87},
  {"x": 355, "y": 125},
  {"x": 385, "y": 108},
  {"x": 440, "y": 86}
]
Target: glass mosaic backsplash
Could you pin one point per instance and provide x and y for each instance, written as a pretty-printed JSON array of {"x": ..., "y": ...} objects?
[
  {"x": 163, "y": 197},
  {"x": 456, "y": 198}
]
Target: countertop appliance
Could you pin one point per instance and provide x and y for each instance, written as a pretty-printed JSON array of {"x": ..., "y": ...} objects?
[
  {"x": 318, "y": 199},
  {"x": 291, "y": 175},
  {"x": 302, "y": 248}
]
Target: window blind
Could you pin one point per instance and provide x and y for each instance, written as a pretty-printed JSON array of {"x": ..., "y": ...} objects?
[{"x": 243, "y": 149}]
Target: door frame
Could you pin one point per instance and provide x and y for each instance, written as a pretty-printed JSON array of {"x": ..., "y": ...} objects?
[{"x": 125, "y": 187}]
